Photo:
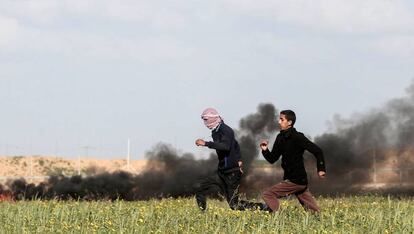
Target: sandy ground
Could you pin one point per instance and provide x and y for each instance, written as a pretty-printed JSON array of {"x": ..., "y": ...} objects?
[{"x": 49, "y": 165}]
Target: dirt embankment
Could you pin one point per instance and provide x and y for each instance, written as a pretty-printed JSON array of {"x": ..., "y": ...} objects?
[{"x": 16, "y": 166}]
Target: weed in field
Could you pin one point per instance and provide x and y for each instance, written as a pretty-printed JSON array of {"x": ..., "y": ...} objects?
[{"x": 360, "y": 214}]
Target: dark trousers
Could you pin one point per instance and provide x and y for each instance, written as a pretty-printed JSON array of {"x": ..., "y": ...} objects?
[
  {"x": 285, "y": 188},
  {"x": 227, "y": 184}
]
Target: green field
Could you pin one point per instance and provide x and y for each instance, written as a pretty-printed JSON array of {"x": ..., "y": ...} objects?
[{"x": 363, "y": 214}]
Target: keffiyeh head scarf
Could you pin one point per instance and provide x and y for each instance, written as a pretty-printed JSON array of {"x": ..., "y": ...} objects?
[{"x": 211, "y": 118}]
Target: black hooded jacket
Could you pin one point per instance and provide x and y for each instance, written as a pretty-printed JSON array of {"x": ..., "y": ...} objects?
[
  {"x": 226, "y": 146},
  {"x": 291, "y": 145}
]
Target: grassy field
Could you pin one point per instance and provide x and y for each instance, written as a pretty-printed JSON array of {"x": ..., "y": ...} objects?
[{"x": 363, "y": 214}]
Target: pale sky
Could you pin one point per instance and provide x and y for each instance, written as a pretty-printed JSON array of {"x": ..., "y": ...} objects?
[{"x": 97, "y": 72}]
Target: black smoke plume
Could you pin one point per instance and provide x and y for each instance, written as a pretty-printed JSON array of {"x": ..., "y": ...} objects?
[
  {"x": 371, "y": 151},
  {"x": 255, "y": 127},
  {"x": 167, "y": 174}
]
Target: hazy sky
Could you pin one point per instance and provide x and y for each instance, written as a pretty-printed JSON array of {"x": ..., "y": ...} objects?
[{"x": 97, "y": 72}]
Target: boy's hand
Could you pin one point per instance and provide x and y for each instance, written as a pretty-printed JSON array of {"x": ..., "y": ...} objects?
[
  {"x": 200, "y": 142},
  {"x": 321, "y": 174},
  {"x": 263, "y": 144}
]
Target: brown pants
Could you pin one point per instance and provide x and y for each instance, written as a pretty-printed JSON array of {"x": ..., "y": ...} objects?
[{"x": 285, "y": 188}]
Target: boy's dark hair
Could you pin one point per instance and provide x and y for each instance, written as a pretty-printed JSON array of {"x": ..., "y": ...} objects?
[{"x": 290, "y": 115}]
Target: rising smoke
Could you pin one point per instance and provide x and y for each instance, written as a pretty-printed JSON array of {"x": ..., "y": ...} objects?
[
  {"x": 372, "y": 150},
  {"x": 368, "y": 151},
  {"x": 167, "y": 174}
]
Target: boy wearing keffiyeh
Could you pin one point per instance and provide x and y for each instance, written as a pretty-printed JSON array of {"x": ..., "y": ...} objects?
[{"x": 229, "y": 172}]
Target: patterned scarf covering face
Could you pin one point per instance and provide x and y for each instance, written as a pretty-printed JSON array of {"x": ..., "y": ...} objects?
[{"x": 211, "y": 118}]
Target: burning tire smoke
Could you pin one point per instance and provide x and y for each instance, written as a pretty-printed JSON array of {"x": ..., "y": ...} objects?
[
  {"x": 168, "y": 174},
  {"x": 370, "y": 151}
]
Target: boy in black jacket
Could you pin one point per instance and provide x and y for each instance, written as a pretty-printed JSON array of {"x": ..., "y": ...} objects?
[{"x": 291, "y": 145}]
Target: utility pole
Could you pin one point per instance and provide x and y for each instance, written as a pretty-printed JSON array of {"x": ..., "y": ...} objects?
[
  {"x": 31, "y": 166},
  {"x": 128, "y": 154},
  {"x": 56, "y": 148},
  {"x": 79, "y": 164},
  {"x": 31, "y": 163},
  {"x": 374, "y": 156},
  {"x": 86, "y": 148}
]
